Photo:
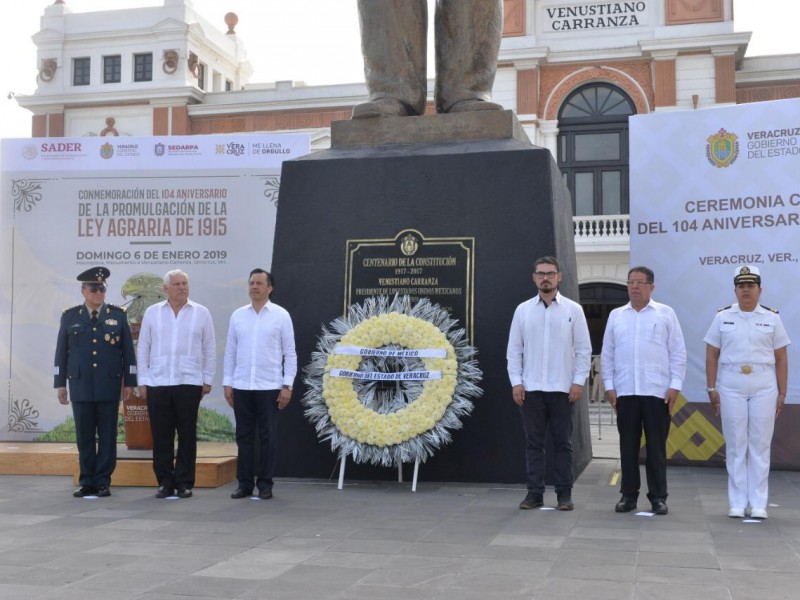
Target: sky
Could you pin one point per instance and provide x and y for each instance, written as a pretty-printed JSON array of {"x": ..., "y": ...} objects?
[{"x": 284, "y": 44}]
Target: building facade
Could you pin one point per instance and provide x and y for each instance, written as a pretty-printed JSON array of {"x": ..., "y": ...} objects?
[{"x": 573, "y": 72}]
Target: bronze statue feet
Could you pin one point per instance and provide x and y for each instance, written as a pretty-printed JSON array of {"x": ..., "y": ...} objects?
[
  {"x": 382, "y": 107},
  {"x": 390, "y": 107},
  {"x": 473, "y": 104}
]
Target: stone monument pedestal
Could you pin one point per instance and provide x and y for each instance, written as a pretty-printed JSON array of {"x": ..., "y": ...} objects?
[{"x": 455, "y": 208}]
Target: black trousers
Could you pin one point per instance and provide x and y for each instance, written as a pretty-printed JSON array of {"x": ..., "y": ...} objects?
[
  {"x": 173, "y": 409},
  {"x": 543, "y": 413},
  {"x": 651, "y": 414},
  {"x": 97, "y": 460},
  {"x": 256, "y": 410}
]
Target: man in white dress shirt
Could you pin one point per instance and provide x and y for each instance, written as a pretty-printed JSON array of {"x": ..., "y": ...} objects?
[
  {"x": 260, "y": 367},
  {"x": 549, "y": 352},
  {"x": 178, "y": 358},
  {"x": 643, "y": 362}
]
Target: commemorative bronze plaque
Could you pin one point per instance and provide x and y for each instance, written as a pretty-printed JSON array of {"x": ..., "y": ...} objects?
[{"x": 437, "y": 268}]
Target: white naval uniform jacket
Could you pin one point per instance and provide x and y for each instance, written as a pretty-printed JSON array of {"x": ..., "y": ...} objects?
[{"x": 747, "y": 340}]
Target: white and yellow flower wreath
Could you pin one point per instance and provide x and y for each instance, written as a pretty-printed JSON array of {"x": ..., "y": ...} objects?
[{"x": 404, "y": 421}]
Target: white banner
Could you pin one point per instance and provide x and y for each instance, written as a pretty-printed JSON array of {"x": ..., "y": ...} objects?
[
  {"x": 388, "y": 352},
  {"x": 141, "y": 207},
  {"x": 710, "y": 190},
  {"x": 379, "y": 376}
]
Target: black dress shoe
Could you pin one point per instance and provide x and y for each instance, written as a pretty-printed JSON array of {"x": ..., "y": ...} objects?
[
  {"x": 184, "y": 492},
  {"x": 265, "y": 494},
  {"x": 103, "y": 491},
  {"x": 565, "y": 500},
  {"x": 241, "y": 493},
  {"x": 83, "y": 491},
  {"x": 532, "y": 500},
  {"x": 164, "y": 492},
  {"x": 660, "y": 507},
  {"x": 626, "y": 504}
]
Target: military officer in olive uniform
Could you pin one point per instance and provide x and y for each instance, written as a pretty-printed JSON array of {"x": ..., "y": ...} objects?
[
  {"x": 94, "y": 352},
  {"x": 747, "y": 371}
]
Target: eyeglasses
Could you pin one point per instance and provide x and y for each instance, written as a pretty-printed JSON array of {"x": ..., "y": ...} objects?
[
  {"x": 638, "y": 283},
  {"x": 94, "y": 289},
  {"x": 546, "y": 275}
]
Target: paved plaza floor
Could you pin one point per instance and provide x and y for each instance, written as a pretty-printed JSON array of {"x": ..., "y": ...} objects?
[{"x": 381, "y": 541}]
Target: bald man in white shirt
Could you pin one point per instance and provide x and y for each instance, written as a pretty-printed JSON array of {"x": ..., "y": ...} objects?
[
  {"x": 177, "y": 361},
  {"x": 643, "y": 362}
]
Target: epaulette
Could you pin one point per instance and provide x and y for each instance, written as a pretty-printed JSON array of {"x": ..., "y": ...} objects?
[
  {"x": 71, "y": 308},
  {"x": 119, "y": 308},
  {"x": 724, "y": 308},
  {"x": 775, "y": 310}
]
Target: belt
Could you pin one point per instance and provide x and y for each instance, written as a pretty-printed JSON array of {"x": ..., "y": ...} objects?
[{"x": 746, "y": 369}]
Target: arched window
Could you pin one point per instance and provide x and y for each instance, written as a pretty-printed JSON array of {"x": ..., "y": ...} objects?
[{"x": 593, "y": 148}]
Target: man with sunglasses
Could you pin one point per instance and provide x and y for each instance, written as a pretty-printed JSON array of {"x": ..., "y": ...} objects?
[
  {"x": 94, "y": 353},
  {"x": 549, "y": 353}
]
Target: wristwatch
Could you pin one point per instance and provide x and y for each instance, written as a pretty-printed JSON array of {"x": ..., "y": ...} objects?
[
  {"x": 709, "y": 390},
  {"x": 288, "y": 387}
]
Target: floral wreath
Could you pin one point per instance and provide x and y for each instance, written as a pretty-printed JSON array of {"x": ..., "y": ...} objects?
[{"x": 389, "y": 380}]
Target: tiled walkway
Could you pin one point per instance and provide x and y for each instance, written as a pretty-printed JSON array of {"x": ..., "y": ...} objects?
[{"x": 381, "y": 541}]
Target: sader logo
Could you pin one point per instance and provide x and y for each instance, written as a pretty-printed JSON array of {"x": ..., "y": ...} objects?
[
  {"x": 722, "y": 149},
  {"x": 61, "y": 147}
]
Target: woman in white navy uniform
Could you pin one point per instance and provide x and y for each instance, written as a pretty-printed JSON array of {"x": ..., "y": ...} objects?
[{"x": 746, "y": 375}]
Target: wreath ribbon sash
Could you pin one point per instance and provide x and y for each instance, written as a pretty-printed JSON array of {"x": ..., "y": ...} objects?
[
  {"x": 381, "y": 376},
  {"x": 391, "y": 352}
]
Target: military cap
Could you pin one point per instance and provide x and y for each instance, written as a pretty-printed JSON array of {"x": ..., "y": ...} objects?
[
  {"x": 746, "y": 274},
  {"x": 94, "y": 276}
]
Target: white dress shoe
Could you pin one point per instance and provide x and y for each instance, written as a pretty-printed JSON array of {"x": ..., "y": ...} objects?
[
  {"x": 736, "y": 513},
  {"x": 758, "y": 513}
]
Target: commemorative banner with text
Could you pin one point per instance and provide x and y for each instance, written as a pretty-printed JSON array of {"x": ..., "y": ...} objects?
[
  {"x": 140, "y": 207},
  {"x": 712, "y": 190}
]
